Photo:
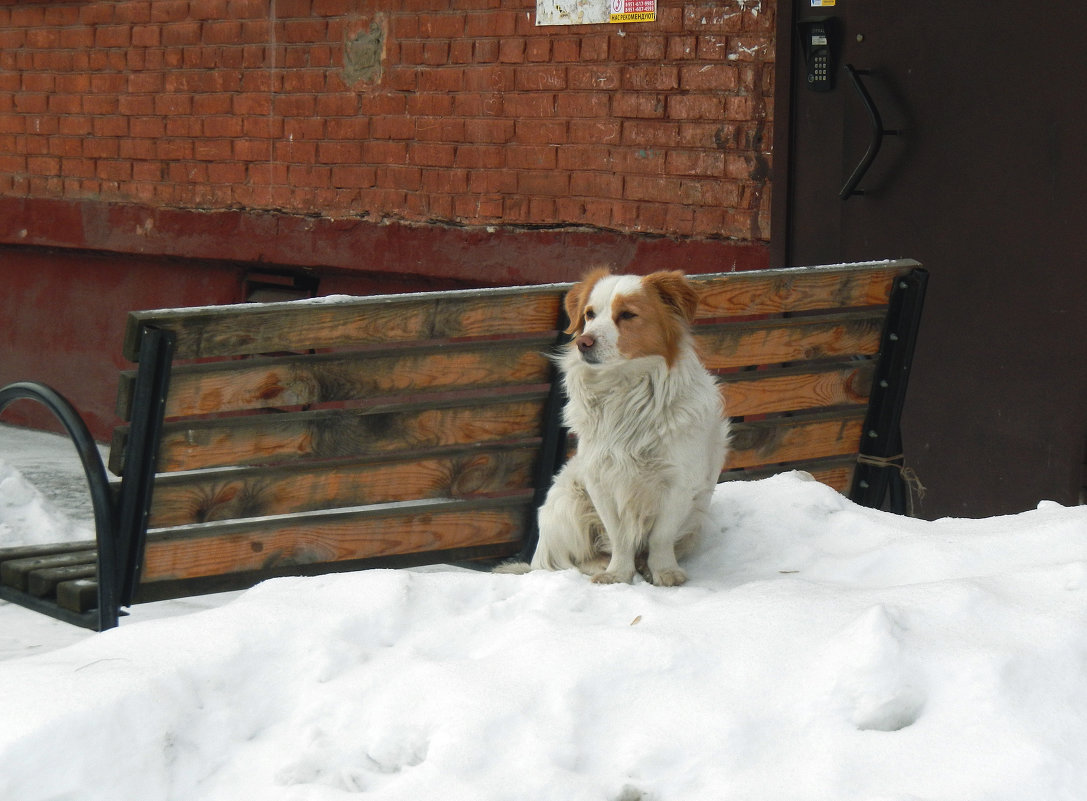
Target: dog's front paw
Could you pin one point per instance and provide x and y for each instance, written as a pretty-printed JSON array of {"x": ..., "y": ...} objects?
[
  {"x": 669, "y": 577},
  {"x": 611, "y": 578}
]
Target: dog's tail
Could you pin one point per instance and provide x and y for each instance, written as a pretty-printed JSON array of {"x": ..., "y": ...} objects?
[{"x": 513, "y": 568}]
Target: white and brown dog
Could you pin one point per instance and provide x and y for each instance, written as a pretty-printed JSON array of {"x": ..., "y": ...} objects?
[{"x": 651, "y": 432}]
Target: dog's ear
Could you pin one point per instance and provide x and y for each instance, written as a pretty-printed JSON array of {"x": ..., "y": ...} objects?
[
  {"x": 676, "y": 291},
  {"x": 578, "y": 298}
]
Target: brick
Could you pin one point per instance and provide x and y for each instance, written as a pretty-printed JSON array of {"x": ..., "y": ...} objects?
[
  {"x": 136, "y": 150},
  {"x": 461, "y": 51},
  {"x": 594, "y": 131},
  {"x": 539, "y": 157},
  {"x": 538, "y": 49},
  {"x": 481, "y": 157},
  {"x": 719, "y": 77},
  {"x": 431, "y": 154},
  {"x": 473, "y": 104},
  {"x": 357, "y": 128},
  {"x": 696, "y": 107},
  {"x": 221, "y": 32},
  {"x": 723, "y": 18},
  {"x": 583, "y": 104},
  {"x": 302, "y": 30},
  {"x": 573, "y": 158},
  {"x": 486, "y": 51},
  {"x": 489, "y": 130},
  {"x": 648, "y": 133},
  {"x": 712, "y": 48},
  {"x": 441, "y": 26},
  {"x": 294, "y": 105},
  {"x": 648, "y": 78},
  {"x": 114, "y": 170},
  {"x": 398, "y": 176},
  {"x": 539, "y": 78},
  {"x": 385, "y": 152},
  {"x": 596, "y": 78},
  {"x": 492, "y": 181},
  {"x": 445, "y": 181},
  {"x": 181, "y": 33},
  {"x": 541, "y": 132},
  {"x": 639, "y": 105},
  {"x": 215, "y": 104},
  {"x": 339, "y": 152},
  {"x": 435, "y": 54},
  {"x": 681, "y": 48},
  {"x": 252, "y": 149},
  {"x": 534, "y": 104},
  {"x": 111, "y": 126},
  {"x": 441, "y": 80},
  {"x": 439, "y": 129},
  {"x": 695, "y": 162},
  {"x": 511, "y": 51},
  {"x": 43, "y": 165},
  {"x": 489, "y": 79},
  {"x": 212, "y": 149},
  {"x": 353, "y": 176}
]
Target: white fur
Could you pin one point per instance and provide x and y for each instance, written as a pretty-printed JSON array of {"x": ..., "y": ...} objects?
[{"x": 651, "y": 442}]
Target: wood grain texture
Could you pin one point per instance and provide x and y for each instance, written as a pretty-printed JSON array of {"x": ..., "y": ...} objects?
[
  {"x": 191, "y": 552},
  {"x": 835, "y": 473},
  {"x": 791, "y": 390},
  {"x": 798, "y": 289},
  {"x": 780, "y": 341},
  {"x": 303, "y": 380},
  {"x": 339, "y": 434},
  {"x": 247, "y": 329},
  {"x": 204, "y": 496},
  {"x": 792, "y": 439}
]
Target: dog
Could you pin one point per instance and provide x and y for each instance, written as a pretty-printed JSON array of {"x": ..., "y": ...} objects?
[{"x": 651, "y": 431}]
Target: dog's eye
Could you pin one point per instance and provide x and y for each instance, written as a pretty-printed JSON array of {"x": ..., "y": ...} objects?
[
  {"x": 590, "y": 314},
  {"x": 627, "y": 315}
]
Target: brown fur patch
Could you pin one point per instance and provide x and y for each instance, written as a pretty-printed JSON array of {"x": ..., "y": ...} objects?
[
  {"x": 578, "y": 296},
  {"x": 654, "y": 329}
]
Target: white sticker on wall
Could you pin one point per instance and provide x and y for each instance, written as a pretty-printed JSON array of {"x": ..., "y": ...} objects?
[{"x": 591, "y": 12}]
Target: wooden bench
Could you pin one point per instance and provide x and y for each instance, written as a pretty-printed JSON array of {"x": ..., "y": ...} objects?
[{"x": 349, "y": 432}]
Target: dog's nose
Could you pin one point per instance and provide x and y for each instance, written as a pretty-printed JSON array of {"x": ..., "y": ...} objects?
[{"x": 585, "y": 343}]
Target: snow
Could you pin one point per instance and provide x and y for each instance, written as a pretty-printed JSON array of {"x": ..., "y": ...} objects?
[{"x": 819, "y": 651}]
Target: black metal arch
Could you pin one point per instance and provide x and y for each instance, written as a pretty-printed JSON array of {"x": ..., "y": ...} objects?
[{"x": 97, "y": 482}]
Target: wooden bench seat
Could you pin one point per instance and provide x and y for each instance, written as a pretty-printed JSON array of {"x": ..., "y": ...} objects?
[{"x": 348, "y": 432}]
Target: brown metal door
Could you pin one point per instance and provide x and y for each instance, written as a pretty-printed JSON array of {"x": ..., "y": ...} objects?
[{"x": 987, "y": 186}]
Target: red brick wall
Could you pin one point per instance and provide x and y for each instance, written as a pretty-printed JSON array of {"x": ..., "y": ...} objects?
[{"x": 478, "y": 117}]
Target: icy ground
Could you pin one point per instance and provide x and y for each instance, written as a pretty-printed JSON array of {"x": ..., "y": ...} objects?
[{"x": 820, "y": 651}]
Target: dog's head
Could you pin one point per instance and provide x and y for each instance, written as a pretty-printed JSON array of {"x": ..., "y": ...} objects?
[{"x": 617, "y": 317}]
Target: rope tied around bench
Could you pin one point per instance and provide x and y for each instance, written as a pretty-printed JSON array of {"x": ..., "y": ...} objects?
[{"x": 916, "y": 490}]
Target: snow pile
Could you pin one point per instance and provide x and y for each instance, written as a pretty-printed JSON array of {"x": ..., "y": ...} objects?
[
  {"x": 819, "y": 651},
  {"x": 27, "y": 518}
]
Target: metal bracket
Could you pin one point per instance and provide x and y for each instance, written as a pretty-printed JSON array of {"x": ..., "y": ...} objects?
[{"x": 882, "y": 437}]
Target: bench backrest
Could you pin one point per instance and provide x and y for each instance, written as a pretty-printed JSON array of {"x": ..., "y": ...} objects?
[{"x": 348, "y": 431}]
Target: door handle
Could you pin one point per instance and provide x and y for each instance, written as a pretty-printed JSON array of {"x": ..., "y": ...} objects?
[{"x": 875, "y": 141}]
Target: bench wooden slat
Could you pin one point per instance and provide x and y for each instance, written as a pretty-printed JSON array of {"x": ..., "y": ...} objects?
[
  {"x": 277, "y": 438},
  {"x": 834, "y": 472},
  {"x": 216, "y": 331},
  {"x": 16, "y": 572},
  {"x": 43, "y": 582},
  {"x": 796, "y": 290},
  {"x": 791, "y": 390},
  {"x": 789, "y": 340},
  {"x": 262, "y": 383},
  {"x": 346, "y": 535},
  {"x": 204, "y": 496},
  {"x": 790, "y": 439},
  {"x": 78, "y": 595}
]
